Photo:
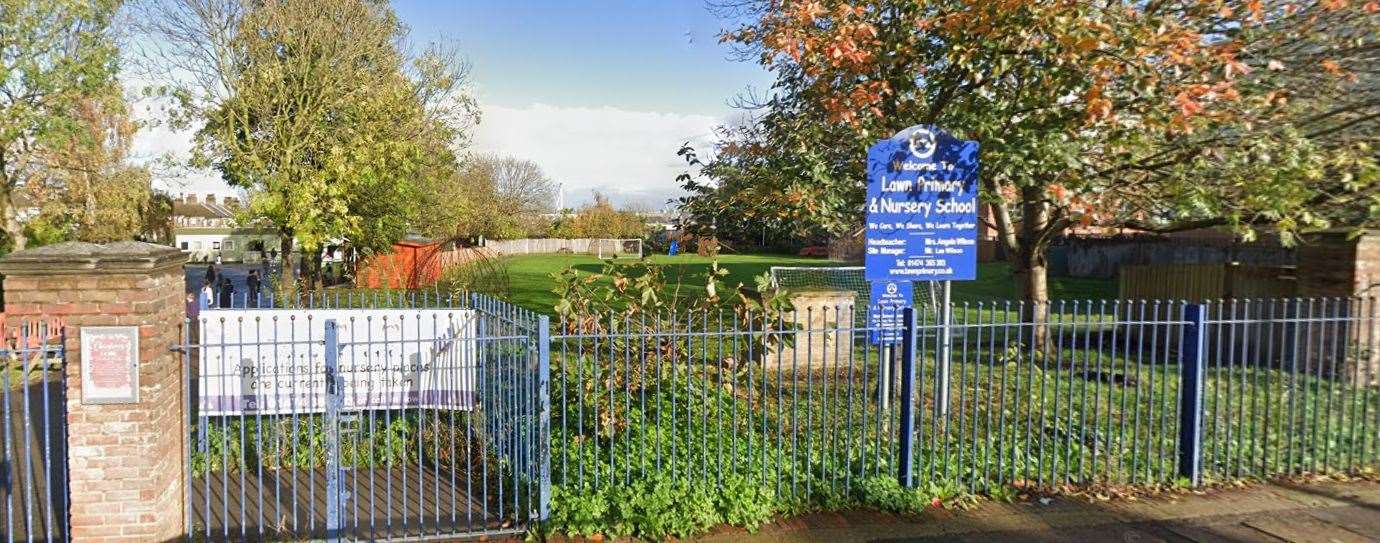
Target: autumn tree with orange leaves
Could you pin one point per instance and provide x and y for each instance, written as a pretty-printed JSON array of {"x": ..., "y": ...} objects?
[{"x": 1160, "y": 115}]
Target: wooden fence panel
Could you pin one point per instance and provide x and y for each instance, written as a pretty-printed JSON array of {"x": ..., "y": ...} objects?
[
  {"x": 1198, "y": 282},
  {"x": 1192, "y": 282},
  {"x": 1262, "y": 282},
  {"x": 533, "y": 246}
]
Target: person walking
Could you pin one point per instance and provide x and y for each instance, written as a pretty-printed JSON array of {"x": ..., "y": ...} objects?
[
  {"x": 227, "y": 293},
  {"x": 207, "y": 297},
  {"x": 252, "y": 296}
]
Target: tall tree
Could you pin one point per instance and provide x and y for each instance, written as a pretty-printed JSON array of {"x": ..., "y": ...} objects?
[
  {"x": 490, "y": 195},
  {"x": 157, "y": 216},
  {"x": 1159, "y": 115},
  {"x": 599, "y": 219},
  {"x": 315, "y": 108},
  {"x": 54, "y": 55},
  {"x": 91, "y": 191},
  {"x": 751, "y": 192}
]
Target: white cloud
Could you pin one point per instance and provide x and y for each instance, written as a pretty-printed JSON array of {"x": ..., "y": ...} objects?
[
  {"x": 155, "y": 142},
  {"x": 630, "y": 155}
]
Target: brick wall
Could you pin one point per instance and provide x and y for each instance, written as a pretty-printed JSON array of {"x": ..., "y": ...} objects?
[
  {"x": 1340, "y": 265},
  {"x": 125, "y": 460}
]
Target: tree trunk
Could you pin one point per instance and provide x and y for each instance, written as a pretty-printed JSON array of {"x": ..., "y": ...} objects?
[
  {"x": 1030, "y": 267},
  {"x": 12, "y": 225},
  {"x": 311, "y": 269},
  {"x": 1032, "y": 280},
  {"x": 285, "y": 272}
]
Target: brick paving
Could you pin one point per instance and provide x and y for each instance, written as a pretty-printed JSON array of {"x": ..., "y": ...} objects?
[{"x": 1319, "y": 511}]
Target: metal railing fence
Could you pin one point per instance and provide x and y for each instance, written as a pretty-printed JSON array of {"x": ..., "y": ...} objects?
[
  {"x": 801, "y": 406},
  {"x": 33, "y": 474},
  {"x": 358, "y": 298},
  {"x": 709, "y": 396},
  {"x": 808, "y": 405},
  {"x": 1087, "y": 397},
  {"x": 1291, "y": 387}
]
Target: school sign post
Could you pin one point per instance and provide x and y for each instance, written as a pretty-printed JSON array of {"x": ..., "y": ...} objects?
[{"x": 922, "y": 202}]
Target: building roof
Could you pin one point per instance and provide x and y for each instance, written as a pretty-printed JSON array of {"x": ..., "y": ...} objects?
[
  {"x": 182, "y": 208},
  {"x": 222, "y": 230}
]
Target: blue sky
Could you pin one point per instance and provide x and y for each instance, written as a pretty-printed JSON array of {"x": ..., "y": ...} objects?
[
  {"x": 600, "y": 94},
  {"x": 645, "y": 56}
]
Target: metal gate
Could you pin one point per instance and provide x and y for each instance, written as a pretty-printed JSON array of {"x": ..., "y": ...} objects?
[
  {"x": 365, "y": 424},
  {"x": 33, "y": 434}
]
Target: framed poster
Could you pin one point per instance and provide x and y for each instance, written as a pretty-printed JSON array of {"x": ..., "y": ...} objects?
[
  {"x": 109, "y": 364},
  {"x": 251, "y": 361}
]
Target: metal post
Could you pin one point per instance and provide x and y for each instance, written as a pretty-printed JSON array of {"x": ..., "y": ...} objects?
[
  {"x": 334, "y": 402},
  {"x": 182, "y": 350},
  {"x": 1191, "y": 397},
  {"x": 544, "y": 414},
  {"x": 906, "y": 475},
  {"x": 884, "y": 378},
  {"x": 945, "y": 352}
]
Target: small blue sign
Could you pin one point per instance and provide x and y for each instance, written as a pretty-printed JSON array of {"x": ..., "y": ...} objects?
[
  {"x": 893, "y": 293},
  {"x": 922, "y": 203},
  {"x": 884, "y": 311}
]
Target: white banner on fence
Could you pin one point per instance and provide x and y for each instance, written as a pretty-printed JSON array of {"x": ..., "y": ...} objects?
[{"x": 273, "y": 361}]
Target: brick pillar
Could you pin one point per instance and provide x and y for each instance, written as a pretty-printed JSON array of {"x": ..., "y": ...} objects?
[
  {"x": 1346, "y": 269},
  {"x": 125, "y": 461}
]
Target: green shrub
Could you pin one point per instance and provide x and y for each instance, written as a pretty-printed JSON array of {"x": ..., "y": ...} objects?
[
  {"x": 659, "y": 506},
  {"x": 487, "y": 274},
  {"x": 578, "y": 513},
  {"x": 887, "y": 494},
  {"x": 743, "y": 502}
]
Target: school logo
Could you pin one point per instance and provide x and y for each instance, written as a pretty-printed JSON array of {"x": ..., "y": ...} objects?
[{"x": 922, "y": 143}]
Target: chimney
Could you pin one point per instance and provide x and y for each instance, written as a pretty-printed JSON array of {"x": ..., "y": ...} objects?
[
  {"x": 231, "y": 201},
  {"x": 210, "y": 198}
]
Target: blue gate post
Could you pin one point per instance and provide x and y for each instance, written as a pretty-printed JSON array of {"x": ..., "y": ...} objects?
[
  {"x": 544, "y": 415},
  {"x": 1191, "y": 393},
  {"x": 906, "y": 475},
  {"x": 334, "y": 402}
]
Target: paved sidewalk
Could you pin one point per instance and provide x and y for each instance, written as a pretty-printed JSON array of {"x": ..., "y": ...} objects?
[{"x": 1313, "y": 512}]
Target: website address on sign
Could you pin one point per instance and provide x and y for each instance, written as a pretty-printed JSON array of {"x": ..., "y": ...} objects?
[{"x": 948, "y": 270}]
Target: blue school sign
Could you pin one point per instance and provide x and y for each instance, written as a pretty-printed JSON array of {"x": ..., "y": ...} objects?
[
  {"x": 884, "y": 312},
  {"x": 922, "y": 201}
]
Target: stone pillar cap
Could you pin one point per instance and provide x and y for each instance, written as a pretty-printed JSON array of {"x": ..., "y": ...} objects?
[
  {"x": 822, "y": 293},
  {"x": 81, "y": 258}
]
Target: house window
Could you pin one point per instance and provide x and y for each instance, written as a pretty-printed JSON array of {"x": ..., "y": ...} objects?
[
  {"x": 196, "y": 245},
  {"x": 229, "y": 245},
  {"x": 184, "y": 246},
  {"x": 215, "y": 245}
]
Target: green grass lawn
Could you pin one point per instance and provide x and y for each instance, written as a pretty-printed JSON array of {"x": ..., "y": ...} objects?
[{"x": 531, "y": 282}]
